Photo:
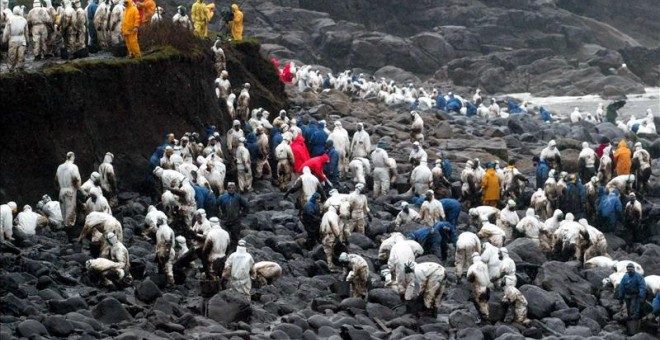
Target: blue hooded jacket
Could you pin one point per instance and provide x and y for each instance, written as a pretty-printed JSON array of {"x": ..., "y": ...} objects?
[
  {"x": 252, "y": 146},
  {"x": 610, "y": 211},
  {"x": 542, "y": 172},
  {"x": 311, "y": 207},
  {"x": 545, "y": 114},
  {"x": 440, "y": 102},
  {"x": 453, "y": 104},
  {"x": 205, "y": 199},
  {"x": 317, "y": 142},
  {"x": 449, "y": 235},
  {"x": 632, "y": 285},
  {"x": 427, "y": 237},
  {"x": 308, "y": 131},
  {"x": 514, "y": 107},
  {"x": 210, "y": 130},
  {"x": 656, "y": 304},
  {"x": 471, "y": 110},
  {"x": 275, "y": 139},
  {"x": 231, "y": 205},
  {"x": 452, "y": 210},
  {"x": 331, "y": 169}
]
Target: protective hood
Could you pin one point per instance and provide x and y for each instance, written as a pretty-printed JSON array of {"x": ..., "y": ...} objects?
[
  {"x": 324, "y": 158},
  {"x": 530, "y": 212},
  {"x": 251, "y": 138},
  {"x": 623, "y": 144},
  {"x": 585, "y": 145},
  {"x": 306, "y": 171}
]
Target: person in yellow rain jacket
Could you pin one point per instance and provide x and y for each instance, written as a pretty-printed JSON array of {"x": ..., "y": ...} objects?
[
  {"x": 623, "y": 158},
  {"x": 129, "y": 29},
  {"x": 490, "y": 187},
  {"x": 148, "y": 8},
  {"x": 236, "y": 25},
  {"x": 200, "y": 18}
]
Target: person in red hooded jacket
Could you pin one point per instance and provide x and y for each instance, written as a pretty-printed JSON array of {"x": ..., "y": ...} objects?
[
  {"x": 316, "y": 164},
  {"x": 300, "y": 153},
  {"x": 286, "y": 75}
]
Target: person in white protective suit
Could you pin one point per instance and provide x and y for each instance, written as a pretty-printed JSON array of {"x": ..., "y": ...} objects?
[
  {"x": 68, "y": 179},
  {"x": 381, "y": 170},
  {"x": 151, "y": 220},
  {"x": 93, "y": 182},
  {"x": 512, "y": 296},
  {"x": 214, "y": 170},
  {"x": 330, "y": 234},
  {"x": 404, "y": 216},
  {"x": 266, "y": 272},
  {"x": 165, "y": 253},
  {"x": 541, "y": 204},
  {"x": 106, "y": 270},
  {"x": 466, "y": 244},
  {"x": 243, "y": 166},
  {"x": 587, "y": 163},
  {"x": 101, "y": 19},
  {"x": 108, "y": 178},
  {"x": 80, "y": 27},
  {"x": 597, "y": 245},
  {"x": 402, "y": 253},
  {"x": 421, "y": 178},
  {"x": 624, "y": 183},
  {"x": 357, "y": 273},
  {"x": 492, "y": 233},
  {"x": 117, "y": 252},
  {"x": 233, "y": 135},
  {"x": 243, "y": 107},
  {"x": 530, "y": 226},
  {"x": 387, "y": 244},
  {"x": 342, "y": 143},
  {"x": 182, "y": 19},
  {"x": 551, "y": 155},
  {"x": 309, "y": 185},
  {"x": 641, "y": 165},
  {"x": 262, "y": 159},
  {"x": 478, "y": 275},
  {"x": 508, "y": 219},
  {"x": 507, "y": 271},
  {"x": 576, "y": 115},
  {"x": 417, "y": 155},
  {"x": 431, "y": 211},
  {"x": 427, "y": 279},
  {"x": 360, "y": 167},
  {"x": 490, "y": 256},
  {"x": 548, "y": 229},
  {"x": 361, "y": 143},
  {"x": 285, "y": 162},
  {"x": 219, "y": 56},
  {"x": 116, "y": 17},
  {"x": 569, "y": 239},
  {"x": 358, "y": 207},
  {"x": 416, "y": 127},
  {"x": 7, "y": 212},
  {"x": 215, "y": 248},
  {"x": 16, "y": 36},
  {"x": 281, "y": 119},
  {"x": 27, "y": 221},
  {"x": 40, "y": 21},
  {"x": 52, "y": 210},
  {"x": 483, "y": 213},
  {"x": 97, "y": 202},
  {"x": 200, "y": 229},
  {"x": 98, "y": 224},
  {"x": 239, "y": 269}
]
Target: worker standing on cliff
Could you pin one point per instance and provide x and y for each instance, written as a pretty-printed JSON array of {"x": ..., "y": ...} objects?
[
  {"x": 236, "y": 24},
  {"x": 129, "y": 29},
  {"x": 200, "y": 17},
  {"x": 148, "y": 8}
]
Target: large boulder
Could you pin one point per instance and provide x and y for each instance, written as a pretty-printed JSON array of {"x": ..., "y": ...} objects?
[
  {"x": 229, "y": 306},
  {"x": 110, "y": 311},
  {"x": 528, "y": 250},
  {"x": 541, "y": 302},
  {"x": 564, "y": 279},
  {"x": 394, "y": 73},
  {"x": 31, "y": 328}
]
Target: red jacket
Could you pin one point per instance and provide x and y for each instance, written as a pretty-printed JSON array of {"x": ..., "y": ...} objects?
[
  {"x": 300, "y": 153},
  {"x": 286, "y": 75},
  {"x": 316, "y": 166},
  {"x": 599, "y": 151}
]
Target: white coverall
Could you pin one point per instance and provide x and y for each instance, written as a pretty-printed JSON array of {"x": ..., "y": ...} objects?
[
  {"x": 428, "y": 279},
  {"x": 421, "y": 178},
  {"x": 400, "y": 255},
  {"x": 215, "y": 245},
  {"x": 240, "y": 269},
  {"x": 466, "y": 244},
  {"x": 431, "y": 212},
  {"x": 330, "y": 234},
  {"x": 341, "y": 142},
  {"x": 266, "y": 272},
  {"x": 381, "y": 172},
  {"x": 492, "y": 233},
  {"x": 40, "y": 21},
  {"x": 507, "y": 220},
  {"x": 387, "y": 244},
  {"x": 529, "y": 225},
  {"x": 28, "y": 221},
  {"x": 68, "y": 179},
  {"x": 7, "y": 221},
  {"x": 490, "y": 256},
  {"x": 404, "y": 217},
  {"x": 513, "y": 296},
  {"x": 478, "y": 275},
  {"x": 358, "y": 273},
  {"x": 358, "y": 207},
  {"x": 361, "y": 144},
  {"x": 107, "y": 172},
  {"x": 165, "y": 253}
]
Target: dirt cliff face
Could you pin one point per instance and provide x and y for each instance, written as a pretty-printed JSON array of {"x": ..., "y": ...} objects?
[{"x": 120, "y": 106}]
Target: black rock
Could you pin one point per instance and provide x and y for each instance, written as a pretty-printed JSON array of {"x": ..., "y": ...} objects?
[
  {"x": 470, "y": 333},
  {"x": 318, "y": 321},
  {"x": 110, "y": 311},
  {"x": 30, "y": 328},
  {"x": 462, "y": 319},
  {"x": 58, "y": 326},
  {"x": 65, "y": 306},
  {"x": 568, "y": 316},
  {"x": 353, "y": 333},
  {"x": 543, "y": 301},
  {"x": 385, "y": 296},
  {"x": 229, "y": 306},
  {"x": 293, "y": 331},
  {"x": 375, "y": 310},
  {"x": 147, "y": 291}
]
